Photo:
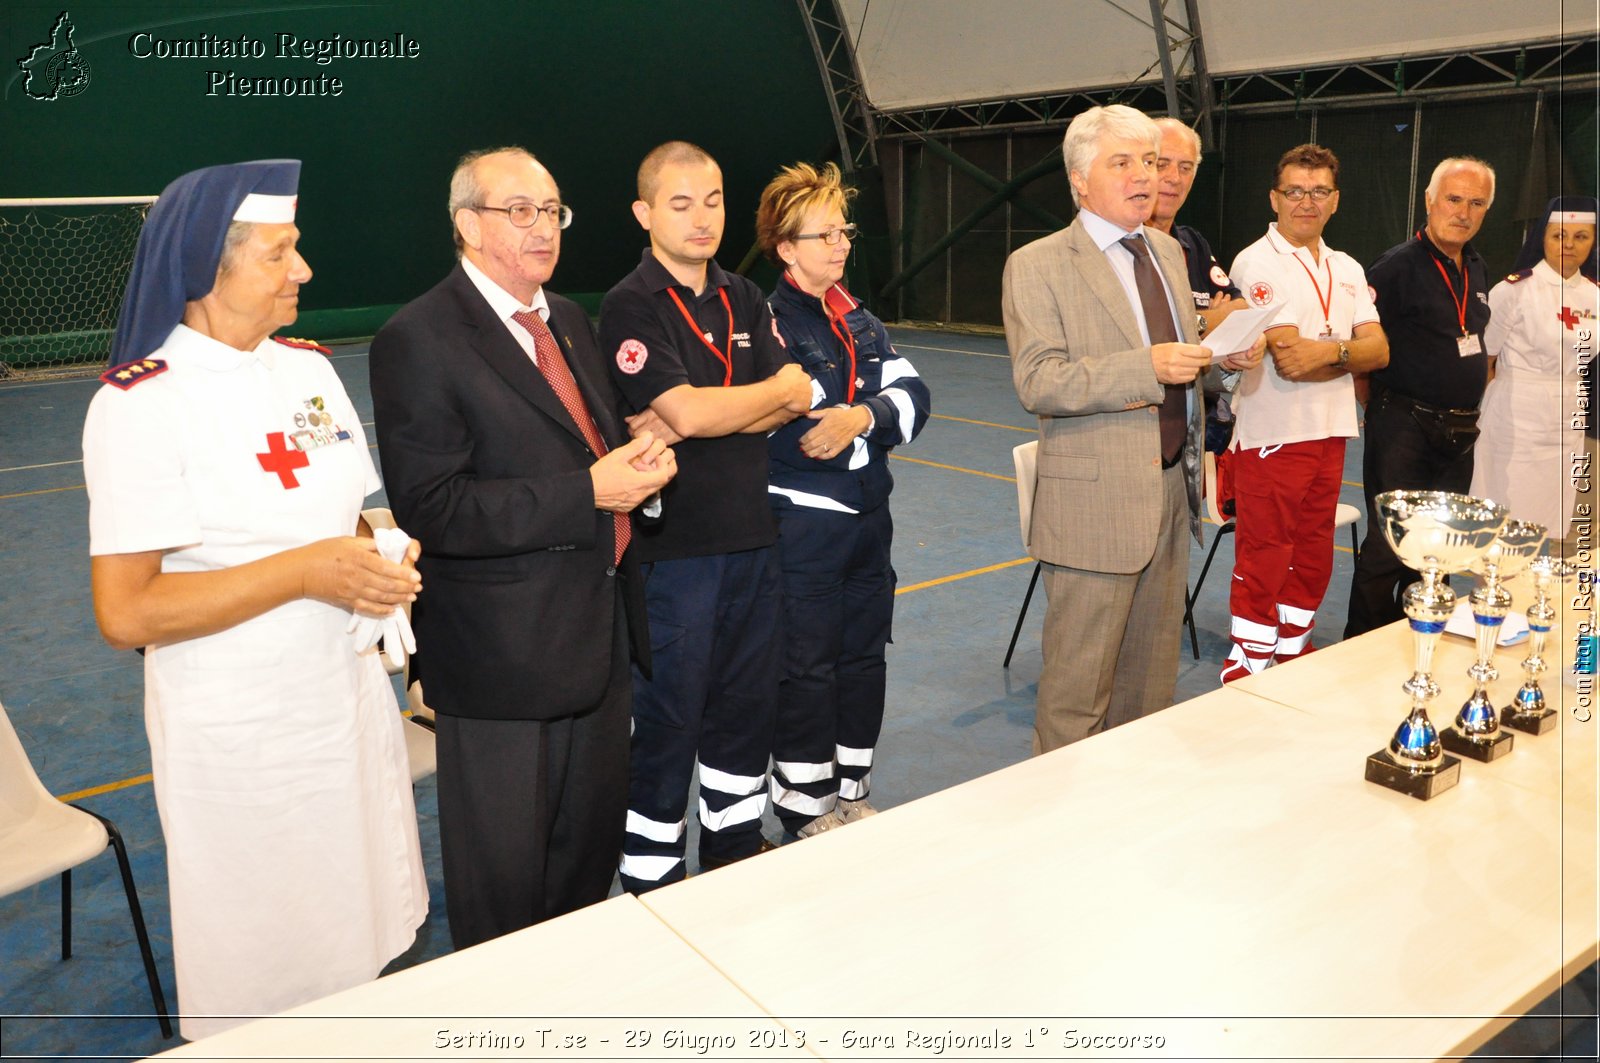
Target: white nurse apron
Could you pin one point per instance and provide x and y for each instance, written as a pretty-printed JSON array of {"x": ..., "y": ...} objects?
[{"x": 279, "y": 761}]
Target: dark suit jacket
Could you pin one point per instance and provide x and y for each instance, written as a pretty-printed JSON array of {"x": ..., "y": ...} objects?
[{"x": 486, "y": 469}]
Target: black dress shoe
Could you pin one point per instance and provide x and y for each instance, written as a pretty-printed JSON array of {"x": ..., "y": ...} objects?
[{"x": 711, "y": 863}]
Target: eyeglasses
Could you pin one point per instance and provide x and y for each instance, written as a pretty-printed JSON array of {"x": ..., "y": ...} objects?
[
  {"x": 832, "y": 236},
  {"x": 526, "y": 215},
  {"x": 1295, "y": 195}
]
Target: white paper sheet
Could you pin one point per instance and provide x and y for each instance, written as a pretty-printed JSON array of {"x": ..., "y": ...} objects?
[
  {"x": 1238, "y": 331},
  {"x": 1513, "y": 631}
]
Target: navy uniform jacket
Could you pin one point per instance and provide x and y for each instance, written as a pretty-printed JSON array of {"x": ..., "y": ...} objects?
[
  {"x": 1207, "y": 281},
  {"x": 1207, "y": 278},
  {"x": 857, "y": 479}
]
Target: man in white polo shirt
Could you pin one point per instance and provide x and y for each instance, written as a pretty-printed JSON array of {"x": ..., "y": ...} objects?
[{"x": 1294, "y": 413}]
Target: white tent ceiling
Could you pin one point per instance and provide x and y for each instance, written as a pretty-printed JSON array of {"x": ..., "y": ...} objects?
[{"x": 916, "y": 53}]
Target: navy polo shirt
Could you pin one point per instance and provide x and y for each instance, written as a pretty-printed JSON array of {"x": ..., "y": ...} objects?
[
  {"x": 1423, "y": 322},
  {"x": 1207, "y": 278},
  {"x": 717, "y": 504}
]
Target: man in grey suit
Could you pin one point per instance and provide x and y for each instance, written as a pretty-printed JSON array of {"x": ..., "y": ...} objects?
[{"x": 1107, "y": 359}]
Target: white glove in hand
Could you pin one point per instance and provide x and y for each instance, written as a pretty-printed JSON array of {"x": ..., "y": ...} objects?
[
  {"x": 398, "y": 639},
  {"x": 395, "y": 629},
  {"x": 366, "y": 631}
]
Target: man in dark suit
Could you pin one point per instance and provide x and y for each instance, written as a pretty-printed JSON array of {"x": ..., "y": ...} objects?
[{"x": 503, "y": 454}]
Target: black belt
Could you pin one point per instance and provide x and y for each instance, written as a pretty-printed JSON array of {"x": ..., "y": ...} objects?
[
  {"x": 1449, "y": 412},
  {"x": 1450, "y": 432}
]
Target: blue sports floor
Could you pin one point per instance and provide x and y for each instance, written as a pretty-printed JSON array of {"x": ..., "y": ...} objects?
[{"x": 953, "y": 712}]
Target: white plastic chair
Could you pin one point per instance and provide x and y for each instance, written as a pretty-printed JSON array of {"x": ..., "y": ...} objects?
[
  {"x": 41, "y": 836},
  {"x": 1342, "y": 515},
  {"x": 421, "y": 745},
  {"x": 1025, "y": 459}
]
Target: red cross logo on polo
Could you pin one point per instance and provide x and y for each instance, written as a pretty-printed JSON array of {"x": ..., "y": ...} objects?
[
  {"x": 1261, "y": 293},
  {"x": 281, "y": 460},
  {"x": 631, "y": 356},
  {"x": 1568, "y": 318},
  {"x": 1218, "y": 276}
]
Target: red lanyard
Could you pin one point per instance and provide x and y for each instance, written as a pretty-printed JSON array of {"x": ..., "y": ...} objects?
[
  {"x": 1461, "y": 303},
  {"x": 848, "y": 339},
  {"x": 1327, "y": 303},
  {"x": 725, "y": 357}
]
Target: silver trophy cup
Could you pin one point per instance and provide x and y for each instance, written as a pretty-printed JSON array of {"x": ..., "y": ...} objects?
[
  {"x": 1476, "y": 731},
  {"x": 1528, "y": 712},
  {"x": 1437, "y": 533}
]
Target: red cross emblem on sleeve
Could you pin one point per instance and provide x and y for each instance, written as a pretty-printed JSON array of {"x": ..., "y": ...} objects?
[
  {"x": 281, "y": 460},
  {"x": 1568, "y": 318}
]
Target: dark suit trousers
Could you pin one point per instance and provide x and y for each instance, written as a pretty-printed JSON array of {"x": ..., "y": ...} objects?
[{"x": 531, "y": 811}]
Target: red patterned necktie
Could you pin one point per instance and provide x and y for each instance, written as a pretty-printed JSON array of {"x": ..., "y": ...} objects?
[{"x": 559, "y": 375}]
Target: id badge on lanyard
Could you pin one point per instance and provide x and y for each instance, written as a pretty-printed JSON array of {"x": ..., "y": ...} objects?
[{"x": 1467, "y": 344}]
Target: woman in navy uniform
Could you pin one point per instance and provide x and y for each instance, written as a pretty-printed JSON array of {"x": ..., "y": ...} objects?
[{"x": 829, "y": 486}]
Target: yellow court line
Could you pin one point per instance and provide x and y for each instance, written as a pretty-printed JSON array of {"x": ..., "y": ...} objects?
[
  {"x": 986, "y": 424},
  {"x": 1029, "y": 431},
  {"x": 139, "y": 780},
  {"x": 985, "y": 570},
  {"x": 42, "y": 491},
  {"x": 93, "y": 791},
  {"x": 955, "y": 468}
]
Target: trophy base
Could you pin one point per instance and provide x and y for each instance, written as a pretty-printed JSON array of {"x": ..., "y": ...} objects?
[
  {"x": 1383, "y": 770},
  {"x": 1533, "y": 723},
  {"x": 1483, "y": 752}
]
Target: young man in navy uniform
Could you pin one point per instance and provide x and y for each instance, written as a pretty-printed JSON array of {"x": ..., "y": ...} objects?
[{"x": 695, "y": 352}]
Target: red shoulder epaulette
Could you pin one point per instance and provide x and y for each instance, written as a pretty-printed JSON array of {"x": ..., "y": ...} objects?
[
  {"x": 125, "y": 376},
  {"x": 304, "y": 345}
]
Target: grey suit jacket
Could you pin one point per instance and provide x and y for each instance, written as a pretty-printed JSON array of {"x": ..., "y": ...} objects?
[{"x": 1078, "y": 362}]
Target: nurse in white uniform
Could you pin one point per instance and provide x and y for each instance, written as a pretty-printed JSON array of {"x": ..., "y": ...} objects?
[
  {"x": 1541, "y": 331},
  {"x": 226, "y": 474}
]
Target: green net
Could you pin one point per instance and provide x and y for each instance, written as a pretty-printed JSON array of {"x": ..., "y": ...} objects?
[{"x": 63, "y": 268}]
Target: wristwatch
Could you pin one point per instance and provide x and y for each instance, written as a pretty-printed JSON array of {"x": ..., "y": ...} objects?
[
  {"x": 1200, "y": 324},
  {"x": 1344, "y": 356}
]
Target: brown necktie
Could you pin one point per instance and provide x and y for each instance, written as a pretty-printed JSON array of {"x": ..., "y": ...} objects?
[
  {"x": 559, "y": 375},
  {"x": 1158, "y": 322}
]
